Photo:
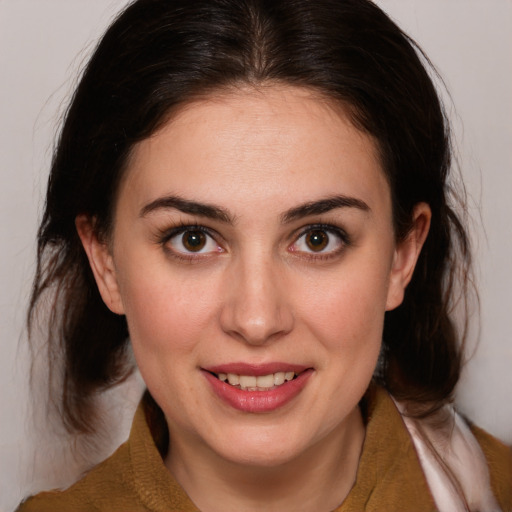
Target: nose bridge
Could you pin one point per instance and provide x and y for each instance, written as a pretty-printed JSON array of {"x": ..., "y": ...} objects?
[{"x": 256, "y": 308}]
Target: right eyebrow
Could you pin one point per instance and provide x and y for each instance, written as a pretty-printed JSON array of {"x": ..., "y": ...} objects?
[{"x": 209, "y": 211}]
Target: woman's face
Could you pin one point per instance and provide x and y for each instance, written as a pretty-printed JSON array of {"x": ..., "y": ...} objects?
[{"x": 253, "y": 244}]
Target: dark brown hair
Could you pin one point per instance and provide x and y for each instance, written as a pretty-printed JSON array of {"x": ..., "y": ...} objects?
[{"x": 160, "y": 54}]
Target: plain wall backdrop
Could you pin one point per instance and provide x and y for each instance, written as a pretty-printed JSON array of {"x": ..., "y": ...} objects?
[{"x": 42, "y": 47}]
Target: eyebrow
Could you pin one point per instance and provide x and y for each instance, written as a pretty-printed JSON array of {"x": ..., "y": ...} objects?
[
  {"x": 324, "y": 206},
  {"x": 214, "y": 212},
  {"x": 187, "y": 206}
]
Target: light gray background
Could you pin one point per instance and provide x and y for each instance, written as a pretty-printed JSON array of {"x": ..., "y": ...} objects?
[{"x": 42, "y": 46}]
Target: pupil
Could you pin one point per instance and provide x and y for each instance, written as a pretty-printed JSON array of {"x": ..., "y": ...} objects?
[
  {"x": 317, "y": 240},
  {"x": 194, "y": 240}
]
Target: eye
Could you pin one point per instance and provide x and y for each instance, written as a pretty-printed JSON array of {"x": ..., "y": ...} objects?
[
  {"x": 316, "y": 240},
  {"x": 192, "y": 241},
  {"x": 321, "y": 240}
]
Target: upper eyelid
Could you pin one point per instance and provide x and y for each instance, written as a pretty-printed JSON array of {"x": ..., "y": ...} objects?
[
  {"x": 183, "y": 228},
  {"x": 322, "y": 226},
  {"x": 296, "y": 233}
]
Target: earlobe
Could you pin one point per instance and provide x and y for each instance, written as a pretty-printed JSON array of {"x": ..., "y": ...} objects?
[
  {"x": 406, "y": 255},
  {"x": 101, "y": 262}
]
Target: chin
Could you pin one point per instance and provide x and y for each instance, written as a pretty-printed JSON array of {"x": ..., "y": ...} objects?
[{"x": 263, "y": 447}]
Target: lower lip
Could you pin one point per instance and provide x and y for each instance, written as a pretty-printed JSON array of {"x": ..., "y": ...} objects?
[{"x": 258, "y": 401}]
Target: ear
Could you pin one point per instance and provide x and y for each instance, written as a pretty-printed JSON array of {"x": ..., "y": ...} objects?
[
  {"x": 406, "y": 255},
  {"x": 101, "y": 262}
]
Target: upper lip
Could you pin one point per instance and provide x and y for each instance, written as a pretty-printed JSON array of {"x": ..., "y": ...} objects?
[{"x": 256, "y": 370}]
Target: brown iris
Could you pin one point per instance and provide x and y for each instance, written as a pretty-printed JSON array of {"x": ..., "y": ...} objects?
[
  {"x": 193, "y": 241},
  {"x": 317, "y": 240}
]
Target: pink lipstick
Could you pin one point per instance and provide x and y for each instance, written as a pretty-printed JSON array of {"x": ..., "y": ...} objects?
[{"x": 240, "y": 384}]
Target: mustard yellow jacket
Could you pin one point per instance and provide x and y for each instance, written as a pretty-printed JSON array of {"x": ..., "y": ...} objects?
[{"x": 389, "y": 477}]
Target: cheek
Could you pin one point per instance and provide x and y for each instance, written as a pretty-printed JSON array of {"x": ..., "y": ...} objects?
[
  {"x": 166, "y": 311},
  {"x": 349, "y": 304},
  {"x": 167, "y": 323}
]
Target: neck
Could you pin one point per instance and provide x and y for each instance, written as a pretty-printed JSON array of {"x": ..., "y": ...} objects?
[{"x": 316, "y": 480}]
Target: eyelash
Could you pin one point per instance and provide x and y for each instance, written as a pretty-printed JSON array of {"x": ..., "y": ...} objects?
[
  {"x": 168, "y": 235},
  {"x": 331, "y": 230},
  {"x": 344, "y": 239}
]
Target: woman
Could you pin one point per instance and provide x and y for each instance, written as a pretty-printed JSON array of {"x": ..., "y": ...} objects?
[{"x": 254, "y": 194}]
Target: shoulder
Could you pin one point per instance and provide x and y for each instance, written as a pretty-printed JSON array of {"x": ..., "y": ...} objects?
[
  {"x": 134, "y": 478},
  {"x": 106, "y": 487},
  {"x": 499, "y": 461},
  {"x": 462, "y": 463}
]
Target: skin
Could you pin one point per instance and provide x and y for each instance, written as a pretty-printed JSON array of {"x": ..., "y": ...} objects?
[{"x": 256, "y": 292}]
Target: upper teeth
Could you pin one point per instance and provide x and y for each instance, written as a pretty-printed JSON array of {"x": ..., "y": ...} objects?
[{"x": 252, "y": 383}]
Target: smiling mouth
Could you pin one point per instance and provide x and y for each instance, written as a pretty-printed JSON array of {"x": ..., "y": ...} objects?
[{"x": 259, "y": 383}]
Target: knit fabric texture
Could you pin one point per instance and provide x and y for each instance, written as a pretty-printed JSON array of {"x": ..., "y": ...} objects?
[{"x": 389, "y": 477}]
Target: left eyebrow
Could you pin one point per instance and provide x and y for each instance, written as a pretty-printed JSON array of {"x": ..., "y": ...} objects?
[{"x": 323, "y": 206}]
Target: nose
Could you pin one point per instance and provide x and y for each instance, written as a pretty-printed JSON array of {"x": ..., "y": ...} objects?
[{"x": 256, "y": 308}]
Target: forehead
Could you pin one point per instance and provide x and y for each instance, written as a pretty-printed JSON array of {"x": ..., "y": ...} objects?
[{"x": 277, "y": 143}]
